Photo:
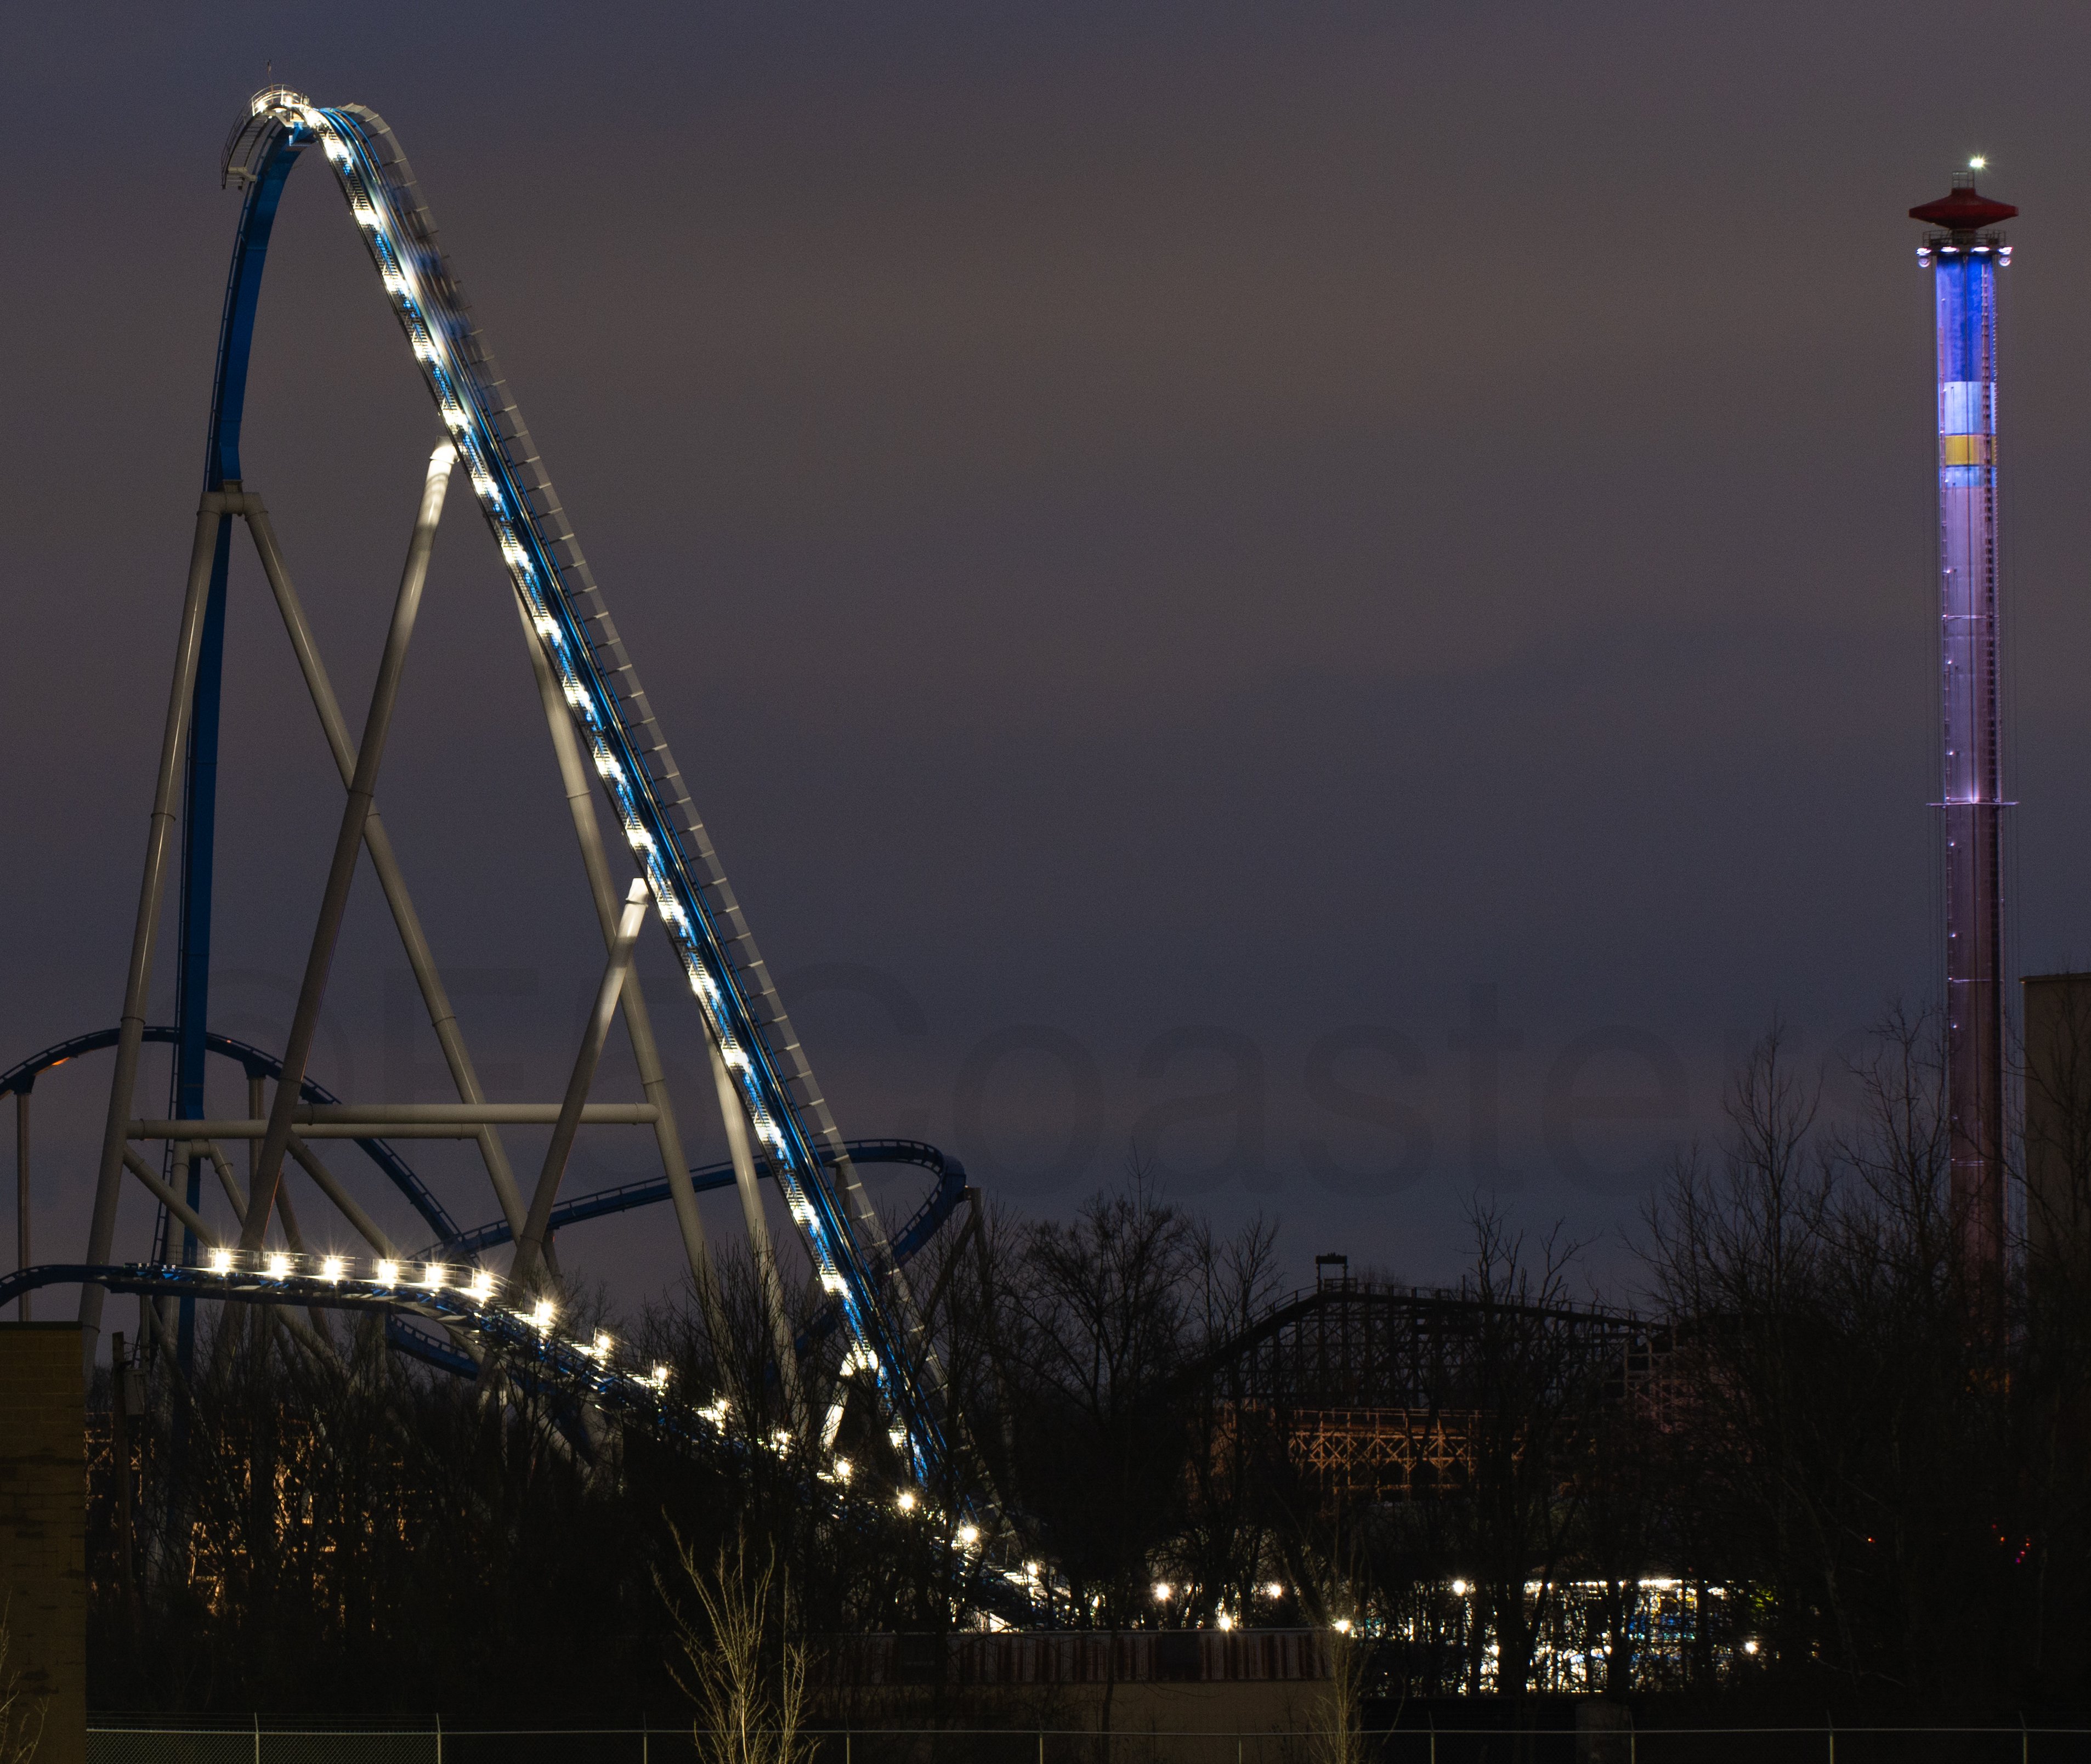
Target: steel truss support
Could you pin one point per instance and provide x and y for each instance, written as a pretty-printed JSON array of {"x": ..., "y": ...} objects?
[
  {"x": 348, "y": 845},
  {"x": 178, "y": 1208},
  {"x": 435, "y": 996},
  {"x": 638, "y": 1018},
  {"x": 330, "y": 1184},
  {"x": 580, "y": 799},
  {"x": 530, "y": 1247},
  {"x": 398, "y": 1120},
  {"x": 168, "y": 1198},
  {"x": 236, "y": 1197},
  {"x": 767, "y": 1094},
  {"x": 766, "y": 1276},
  {"x": 360, "y": 826},
  {"x": 138, "y": 985}
]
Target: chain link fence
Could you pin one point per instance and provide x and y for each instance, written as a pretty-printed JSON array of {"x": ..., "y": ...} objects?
[{"x": 1606, "y": 1739}]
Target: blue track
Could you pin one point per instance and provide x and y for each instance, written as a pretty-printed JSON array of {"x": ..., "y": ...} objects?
[
  {"x": 797, "y": 1140},
  {"x": 259, "y": 1065},
  {"x": 537, "y": 1356},
  {"x": 611, "y": 1388},
  {"x": 452, "y": 1243}
]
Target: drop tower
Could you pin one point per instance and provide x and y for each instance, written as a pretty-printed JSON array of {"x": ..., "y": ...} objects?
[{"x": 1963, "y": 251}]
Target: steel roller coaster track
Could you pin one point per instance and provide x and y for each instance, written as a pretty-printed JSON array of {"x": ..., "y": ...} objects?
[
  {"x": 453, "y": 1241},
  {"x": 613, "y": 722}
]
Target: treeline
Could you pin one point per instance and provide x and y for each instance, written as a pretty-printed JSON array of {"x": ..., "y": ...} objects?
[{"x": 1826, "y": 1468}]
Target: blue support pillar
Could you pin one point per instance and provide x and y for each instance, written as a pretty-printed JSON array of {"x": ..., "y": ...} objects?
[
  {"x": 199, "y": 839},
  {"x": 242, "y": 294}
]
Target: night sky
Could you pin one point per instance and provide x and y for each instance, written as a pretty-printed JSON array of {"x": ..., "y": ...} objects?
[{"x": 1332, "y": 592}]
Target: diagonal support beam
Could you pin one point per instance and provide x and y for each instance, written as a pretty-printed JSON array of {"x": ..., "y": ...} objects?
[
  {"x": 530, "y": 1247},
  {"x": 349, "y": 846},
  {"x": 169, "y": 1199},
  {"x": 319, "y": 1335},
  {"x": 330, "y": 1185},
  {"x": 638, "y": 1020},
  {"x": 735, "y": 1118},
  {"x": 159, "y": 837},
  {"x": 236, "y": 1197},
  {"x": 435, "y": 996}
]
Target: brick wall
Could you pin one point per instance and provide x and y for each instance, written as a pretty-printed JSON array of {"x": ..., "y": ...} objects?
[{"x": 43, "y": 1526}]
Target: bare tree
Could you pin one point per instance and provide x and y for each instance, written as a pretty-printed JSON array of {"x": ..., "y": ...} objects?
[
  {"x": 1859, "y": 1448},
  {"x": 1737, "y": 1251},
  {"x": 743, "y": 1666},
  {"x": 1525, "y": 1374},
  {"x": 1226, "y": 1546},
  {"x": 21, "y": 1712},
  {"x": 1101, "y": 1323}
]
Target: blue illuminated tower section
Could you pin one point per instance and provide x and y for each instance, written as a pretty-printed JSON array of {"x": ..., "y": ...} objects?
[{"x": 1964, "y": 253}]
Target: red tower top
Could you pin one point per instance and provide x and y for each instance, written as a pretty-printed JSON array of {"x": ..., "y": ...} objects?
[{"x": 1964, "y": 210}]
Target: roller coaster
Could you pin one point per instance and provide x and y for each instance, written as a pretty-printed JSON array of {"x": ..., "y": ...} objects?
[
  {"x": 609, "y": 747},
  {"x": 1368, "y": 1373}
]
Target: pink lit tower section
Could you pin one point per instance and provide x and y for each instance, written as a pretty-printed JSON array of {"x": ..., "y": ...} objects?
[{"x": 1964, "y": 252}]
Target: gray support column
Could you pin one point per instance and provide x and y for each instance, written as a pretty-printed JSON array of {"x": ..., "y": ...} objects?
[
  {"x": 330, "y": 1184},
  {"x": 286, "y": 1211},
  {"x": 22, "y": 1191},
  {"x": 638, "y": 1020},
  {"x": 349, "y": 846},
  {"x": 138, "y": 985},
  {"x": 759, "y": 1249},
  {"x": 318, "y": 1334},
  {"x": 236, "y": 1197},
  {"x": 257, "y": 1098},
  {"x": 323, "y": 1336},
  {"x": 167, "y": 1197},
  {"x": 435, "y": 997},
  {"x": 530, "y": 1247}
]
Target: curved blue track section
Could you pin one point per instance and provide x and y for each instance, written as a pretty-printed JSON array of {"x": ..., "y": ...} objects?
[
  {"x": 803, "y": 1153},
  {"x": 927, "y": 1220},
  {"x": 943, "y": 1199},
  {"x": 611, "y": 1388},
  {"x": 258, "y": 1064}
]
